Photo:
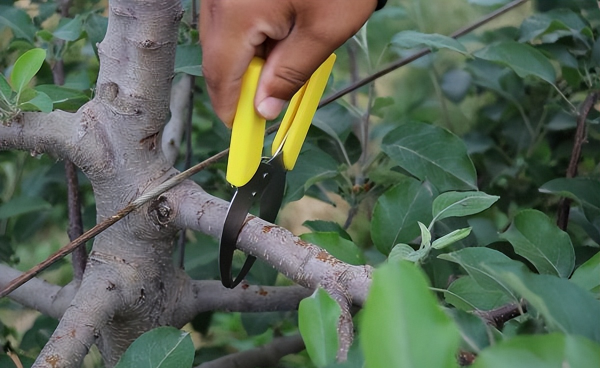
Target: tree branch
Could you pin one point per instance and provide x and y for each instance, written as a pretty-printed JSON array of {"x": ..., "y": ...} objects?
[
  {"x": 404, "y": 61},
  {"x": 51, "y": 300},
  {"x": 564, "y": 205},
  {"x": 73, "y": 338},
  {"x": 179, "y": 106},
  {"x": 39, "y": 133},
  {"x": 265, "y": 356},
  {"x": 304, "y": 263},
  {"x": 245, "y": 298},
  {"x": 499, "y": 316}
]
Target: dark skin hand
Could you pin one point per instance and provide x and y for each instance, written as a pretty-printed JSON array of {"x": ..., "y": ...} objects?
[{"x": 294, "y": 36}]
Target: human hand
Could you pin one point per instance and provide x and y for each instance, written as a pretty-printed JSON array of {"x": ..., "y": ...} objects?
[{"x": 294, "y": 36}]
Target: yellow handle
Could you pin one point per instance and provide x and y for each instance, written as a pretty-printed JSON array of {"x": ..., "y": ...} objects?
[
  {"x": 247, "y": 134},
  {"x": 300, "y": 113}
]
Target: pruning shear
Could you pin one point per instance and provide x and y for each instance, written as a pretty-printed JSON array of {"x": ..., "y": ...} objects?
[{"x": 258, "y": 178}]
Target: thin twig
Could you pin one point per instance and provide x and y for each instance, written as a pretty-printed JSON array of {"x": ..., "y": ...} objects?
[
  {"x": 79, "y": 257},
  {"x": 499, "y": 316},
  {"x": 174, "y": 181},
  {"x": 15, "y": 358},
  {"x": 137, "y": 203},
  {"x": 401, "y": 62},
  {"x": 267, "y": 355},
  {"x": 564, "y": 205}
]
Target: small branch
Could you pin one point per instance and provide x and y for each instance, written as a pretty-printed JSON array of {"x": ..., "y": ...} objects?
[
  {"x": 137, "y": 203},
  {"x": 579, "y": 140},
  {"x": 244, "y": 298},
  {"x": 39, "y": 133},
  {"x": 179, "y": 106},
  {"x": 265, "y": 356},
  {"x": 49, "y": 299},
  {"x": 74, "y": 204},
  {"x": 15, "y": 358},
  {"x": 401, "y": 62},
  {"x": 499, "y": 316},
  {"x": 304, "y": 263},
  {"x": 81, "y": 325},
  {"x": 345, "y": 325}
]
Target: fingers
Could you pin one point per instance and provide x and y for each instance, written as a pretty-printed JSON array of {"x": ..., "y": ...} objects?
[
  {"x": 320, "y": 28},
  {"x": 296, "y": 36},
  {"x": 231, "y": 33},
  {"x": 222, "y": 68}
]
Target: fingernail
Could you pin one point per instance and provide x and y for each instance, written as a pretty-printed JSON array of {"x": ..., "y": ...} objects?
[{"x": 270, "y": 107}]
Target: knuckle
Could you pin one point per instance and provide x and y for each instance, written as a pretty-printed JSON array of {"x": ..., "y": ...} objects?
[{"x": 292, "y": 77}]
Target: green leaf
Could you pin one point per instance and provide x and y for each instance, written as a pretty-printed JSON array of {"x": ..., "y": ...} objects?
[
  {"x": 425, "y": 235},
  {"x": 326, "y": 226},
  {"x": 451, "y": 238},
  {"x": 476, "y": 335},
  {"x": 318, "y": 317},
  {"x": 391, "y": 334},
  {"x": 456, "y": 84},
  {"x": 44, "y": 35},
  {"x": 407, "y": 253},
  {"x": 551, "y": 25},
  {"x": 397, "y": 211},
  {"x": 536, "y": 237},
  {"x": 540, "y": 351},
  {"x": 38, "y": 335},
  {"x": 313, "y": 166},
  {"x": 26, "y": 66},
  {"x": 95, "y": 26},
  {"x": 190, "y": 69},
  {"x": 163, "y": 347},
  {"x": 258, "y": 323},
  {"x": 18, "y": 21},
  {"x": 187, "y": 58},
  {"x": 456, "y": 204},
  {"x": 26, "y": 95},
  {"x": 342, "y": 249},
  {"x": 21, "y": 205},
  {"x": 488, "y": 2},
  {"x": 40, "y": 102},
  {"x": 63, "y": 98},
  {"x": 5, "y": 90},
  {"x": 522, "y": 58},
  {"x": 70, "y": 30},
  {"x": 465, "y": 293},
  {"x": 431, "y": 153},
  {"x": 587, "y": 275},
  {"x": 583, "y": 190},
  {"x": 564, "y": 306},
  {"x": 478, "y": 262},
  {"x": 412, "y": 39}
]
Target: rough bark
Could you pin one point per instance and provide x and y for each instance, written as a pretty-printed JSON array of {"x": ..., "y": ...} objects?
[{"x": 130, "y": 284}]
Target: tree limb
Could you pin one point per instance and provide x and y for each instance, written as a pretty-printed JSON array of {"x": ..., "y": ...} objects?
[
  {"x": 180, "y": 105},
  {"x": 245, "y": 298},
  {"x": 265, "y": 356},
  {"x": 499, "y": 316},
  {"x": 564, "y": 205},
  {"x": 39, "y": 133},
  {"x": 302, "y": 262},
  {"x": 51, "y": 300}
]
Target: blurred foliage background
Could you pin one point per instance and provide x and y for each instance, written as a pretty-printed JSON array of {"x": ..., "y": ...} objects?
[{"x": 489, "y": 105}]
